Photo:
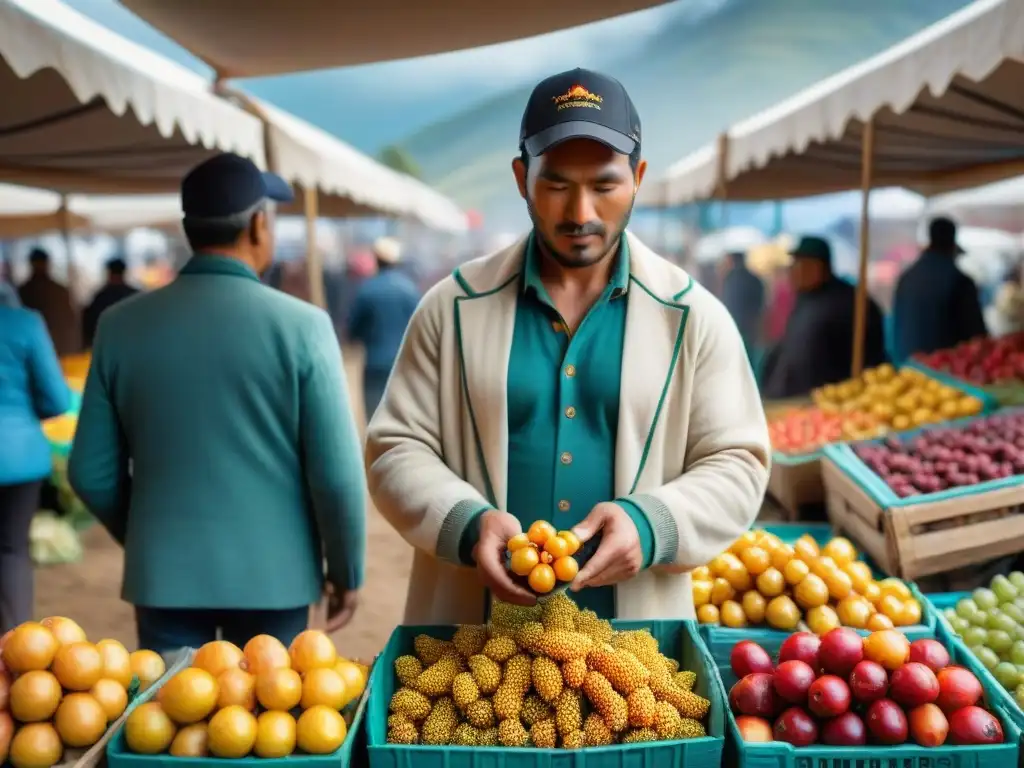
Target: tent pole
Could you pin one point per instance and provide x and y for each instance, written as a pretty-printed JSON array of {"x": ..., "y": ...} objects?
[
  {"x": 314, "y": 264},
  {"x": 722, "y": 185},
  {"x": 66, "y": 235},
  {"x": 860, "y": 313}
]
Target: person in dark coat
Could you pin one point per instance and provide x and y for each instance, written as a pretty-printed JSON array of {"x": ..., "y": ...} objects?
[
  {"x": 53, "y": 301},
  {"x": 936, "y": 305},
  {"x": 817, "y": 347},
  {"x": 743, "y": 296},
  {"x": 115, "y": 290}
]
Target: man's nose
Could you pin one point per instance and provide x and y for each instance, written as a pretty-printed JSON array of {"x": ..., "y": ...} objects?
[{"x": 580, "y": 208}]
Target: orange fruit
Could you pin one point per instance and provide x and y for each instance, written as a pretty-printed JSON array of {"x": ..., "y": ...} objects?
[
  {"x": 811, "y": 592},
  {"x": 782, "y": 613},
  {"x": 739, "y": 578},
  {"x": 771, "y": 583},
  {"x": 556, "y": 547},
  {"x": 320, "y": 731},
  {"x": 566, "y": 568},
  {"x": 311, "y": 650},
  {"x": 355, "y": 676},
  {"x": 721, "y": 590},
  {"x": 148, "y": 730},
  {"x": 64, "y": 629},
  {"x": 795, "y": 571},
  {"x": 822, "y": 619},
  {"x": 77, "y": 666},
  {"x": 117, "y": 663},
  {"x": 806, "y": 548},
  {"x": 279, "y": 689},
  {"x": 871, "y": 593},
  {"x": 540, "y": 532},
  {"x": 30, "y": 646},
  {"x": 523, "y": 561},
  {"x": 572, "y": 540},
  {"x": 840, "y": 550},
  {"x": 35, "y": 696},
  {"x": 80, "y": 720},
  {"x": 275, "y": 735},
  {"x": 896, "y": 588},
  {"x": 217, "y": 657},
  {"x": 859, "y": 572},
  {"x": 190, "y": 741},
  {"x": 517, "y": 542},
  {"x": 189, "y": 696},
  {"x": 264, "y": 653},
  {"x": 781, "y": 556},
  {"x": 756, "y": 560},
  {"x": 546, "y": 558},
  {"x": 731, "y": 614},
  {"x": 323, "y": 686},
  {"x": 879, "y": 621},
  {"x": 891, "y": 606},
  {"x": 702, "y": 593},
  {"x": 854, "y": 612},
  {"x": 236, "y": 687},
  {"x": 754, "y": 606},
  {"x": 231, "y": 733},
  {"x": 838, "y": 583},
  {"x": 147, "y": 665},
  {"x": 746, "y": 540},
  {"x": 707, "y": 614},
  {"x": 887, "y": 647},
  {"x": 542, "y": 579},
  {"x": 36, "y": 745},
  {"x": 112, "y": 696}
]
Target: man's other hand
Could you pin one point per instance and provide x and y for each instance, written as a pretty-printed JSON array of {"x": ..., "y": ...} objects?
[
  {"x": 619, "y": 556},
  {"x": 341, "y": 606}
]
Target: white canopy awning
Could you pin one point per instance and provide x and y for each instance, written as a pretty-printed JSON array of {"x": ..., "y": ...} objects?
[
  {"x": 85, "y": 110},
  {"x": 948, "y": 110},
  {"x": 1002, "y": 194},
  {"x": 241, "y": 39}
]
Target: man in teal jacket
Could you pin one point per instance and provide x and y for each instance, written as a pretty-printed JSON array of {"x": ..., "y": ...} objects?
[{"x": 216, "y": 442}]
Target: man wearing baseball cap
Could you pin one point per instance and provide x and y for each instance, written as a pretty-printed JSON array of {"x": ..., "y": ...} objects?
[
  {"x": 215, "y": 440},
  {"x": 575, "y": 378}
]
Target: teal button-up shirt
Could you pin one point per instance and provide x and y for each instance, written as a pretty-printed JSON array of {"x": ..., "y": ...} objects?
[{"x": 563, "y": 411}]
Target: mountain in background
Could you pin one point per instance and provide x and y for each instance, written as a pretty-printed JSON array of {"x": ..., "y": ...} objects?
[{"x": 691, "y": 81}]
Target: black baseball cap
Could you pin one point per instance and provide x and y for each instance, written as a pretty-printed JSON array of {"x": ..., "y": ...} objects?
[
  {"x": 811, "y": 247},
  {"x": 579, "y": 104},
  {"x": 228, "y": 184}
]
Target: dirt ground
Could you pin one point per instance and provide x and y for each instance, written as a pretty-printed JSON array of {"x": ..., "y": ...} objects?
[{"x": 88, "y": 591}]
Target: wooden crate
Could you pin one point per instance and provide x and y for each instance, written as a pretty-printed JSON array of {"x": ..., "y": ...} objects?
[
  {"x": 795, "y": 483},
  {"x": 918, "y": 539}
]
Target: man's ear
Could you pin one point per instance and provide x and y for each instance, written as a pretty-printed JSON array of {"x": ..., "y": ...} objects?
[
  {"x": 257, "y": 227},
  {"x": 638, "y": 177},
  {"x": 519, "y": 171}
]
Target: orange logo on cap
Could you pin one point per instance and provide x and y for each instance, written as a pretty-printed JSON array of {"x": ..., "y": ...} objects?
[{"x": 578, "y": 96}]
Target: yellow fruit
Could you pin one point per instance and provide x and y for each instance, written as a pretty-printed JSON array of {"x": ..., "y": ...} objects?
[
  {"x": 556, "y": 547},
  {"x": 701, "y": 573},
  {"x": 841, "y": 550},
  {"x": 782, "y": 613},
  {"x": 236, "y": 687},
  {"x": 148, "y": 666},
  {"x": 707, "y": 614},
  {"x": 80, "y": 720},
  {"x": 731, "y": 614},
  {"x": 896, "y": 588},
  {"x": 231, "y": 733},
  {"x": 523, "y": 561},
  {"x": 540, "y": 532},
  {"x": 811, "y": 592},
  {"x": 892, "y": 607},
  {"x": 29, "y": 647},
  {"x": 189, "y": 696},
  {"x": 312, "y": 649},
  {"x": 822, "y": 619},
  {"x": 323, "y": 686},
  {"x": 739, "y": 579},
  {"x": 795, "y": 571},
  {"x": 117, "y": 663},
  {"x": 572, "y": 540},
  {"x": 871, "y": 593},
  {"x": 756, "y": 560},
  {"x": 36, "y": 745},
  {"x": 354, "y": 676},
  {"x": 112, "y": 696},
  {"x": 701, "y": 593},
  {"x": 275, "y": 735},
  {"x": 754, "y": 606},
  {"x": 34, "y": 696},
  {"x": 77, "y": 666},
  {"x": 781, "y": 556},
  {"x": 279, "y": 689},
  {"x": 806, "y": 548},
  {"x": 721, "y": 590},
  {"x": 878, "y": 622},
  {"x": 320, "y": 731},
  {"x": 838, "y": 583},
  {"x": 823, "y": 566},
  {"x": 854, "y": 612},
  {"x": 517, "y": 542},
  {"x": 264, "y": 653},
  {"x": 771, "y": 583},
  {"x": 190, "y": 741},
  {"x": 64, "y": 629},
  {"x": 218, "y": 657},
  {"x": 542, "y": 579},
  {"x": 745, "y": 541},
  {"x": 911, "y": 614},
  {"x": 859, "y": 574},
  {"x": 887, "y": 647},
  {"x": 148, "y": 730}
]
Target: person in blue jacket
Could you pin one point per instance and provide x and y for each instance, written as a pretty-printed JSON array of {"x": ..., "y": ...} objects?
[
  {"x": 380, "y": 314},
  {"x": 32, "y": 388},
  {"x": 215, "y": 440},
  {"x": 936, "y": 305}
]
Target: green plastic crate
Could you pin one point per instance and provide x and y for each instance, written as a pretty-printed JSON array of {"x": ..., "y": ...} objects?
[
  {"x": 691, "y": 753},
  {"x": 782, "y": 755},
  {"x": 717, "y": 635}
]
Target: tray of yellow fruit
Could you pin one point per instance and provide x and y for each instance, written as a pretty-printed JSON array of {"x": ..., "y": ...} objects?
[
  {"x": 299, "y": 706},
  {"x": 784, "y": 577}
]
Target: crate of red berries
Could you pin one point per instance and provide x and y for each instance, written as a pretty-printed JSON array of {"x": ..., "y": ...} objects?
[
  {"x": 994, "y": 366},
  {"x": 901, "y": 496},
  {"x": 846, "y": 700}
]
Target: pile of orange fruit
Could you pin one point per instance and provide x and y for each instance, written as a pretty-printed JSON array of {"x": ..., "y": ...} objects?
[
  {"x": 210, "y": 708},
  {"x": 544, "y": 556},
  {"x": 59, "y": 691},
  {"x": 762, "y": 580}
]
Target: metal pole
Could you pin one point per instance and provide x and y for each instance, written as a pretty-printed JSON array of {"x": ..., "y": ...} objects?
[{"x": 314, "y": 263}]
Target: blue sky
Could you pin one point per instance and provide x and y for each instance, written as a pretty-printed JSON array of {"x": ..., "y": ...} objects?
[{"x": 446, "y": 83}]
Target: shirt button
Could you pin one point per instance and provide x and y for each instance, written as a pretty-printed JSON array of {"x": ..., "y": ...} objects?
[
  {"x": 566, "y": 458},
  {"x": 556, "y": 327},
  {"x": 570, "y": 370},
  {"x": 563, "y": 506},
  {"x": 570, "y": 412}
]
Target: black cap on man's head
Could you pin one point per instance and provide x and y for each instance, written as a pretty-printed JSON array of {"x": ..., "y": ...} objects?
[
  {"x": 38, "y": 256},
  {"x": 942, "y": 233},
  {"x": 816, "y": 248},
  {"x": 579, "y": 104},
  {"x": 226, "y": 185}
]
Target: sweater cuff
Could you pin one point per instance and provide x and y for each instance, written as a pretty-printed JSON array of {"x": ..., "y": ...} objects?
[
  {"x": 661, "y": 527},
  {"x": 460, "y": 531}
]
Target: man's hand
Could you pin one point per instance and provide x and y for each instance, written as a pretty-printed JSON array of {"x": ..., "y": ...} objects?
[
  {"x": 619, "y": 556},
  {"x": 341, "y": 606},
  {"x": 496, "y": 528}
]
